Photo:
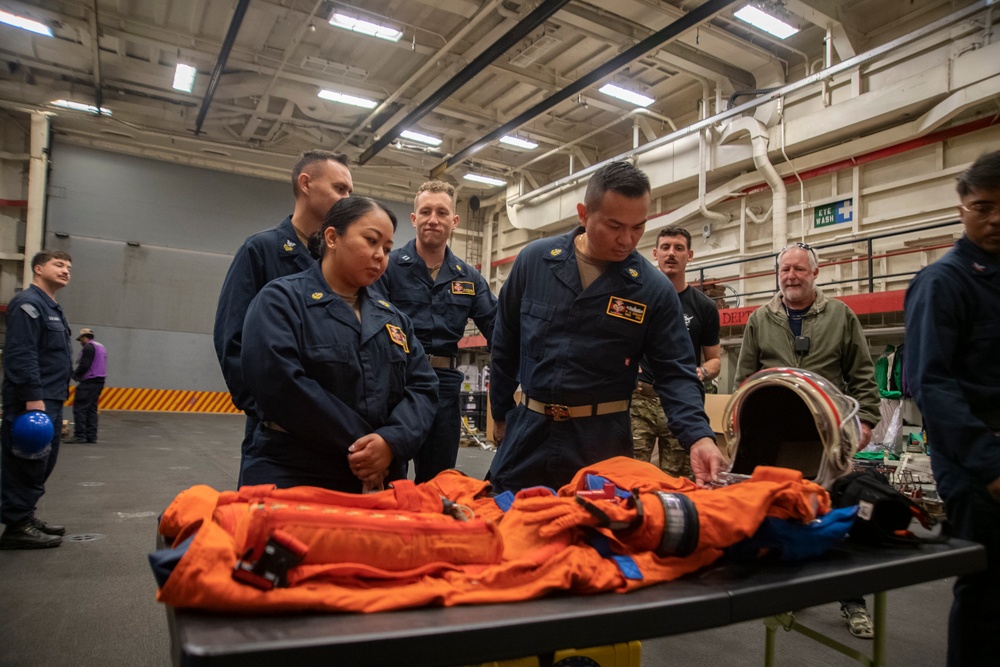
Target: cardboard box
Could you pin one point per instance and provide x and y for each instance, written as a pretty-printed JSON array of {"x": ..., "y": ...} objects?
[{"x": 715, "y": 405}]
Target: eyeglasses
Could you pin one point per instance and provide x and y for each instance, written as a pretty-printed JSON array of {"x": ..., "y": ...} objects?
[{"x": 980, "y": 209}]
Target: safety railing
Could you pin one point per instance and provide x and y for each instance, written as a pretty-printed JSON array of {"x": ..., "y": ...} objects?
[{"x": 870, "y": 257}]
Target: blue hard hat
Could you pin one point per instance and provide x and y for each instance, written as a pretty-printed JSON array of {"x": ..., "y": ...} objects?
[{"x": 31, "y": 435}]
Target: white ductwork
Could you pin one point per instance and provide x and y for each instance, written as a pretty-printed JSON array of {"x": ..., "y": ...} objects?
[
  {"x": 703, "y": 178},
  {"x": 759, "y": 139}
]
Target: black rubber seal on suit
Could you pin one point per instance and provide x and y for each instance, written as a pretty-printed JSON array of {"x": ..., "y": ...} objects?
[{"x": 681, "y": 528}]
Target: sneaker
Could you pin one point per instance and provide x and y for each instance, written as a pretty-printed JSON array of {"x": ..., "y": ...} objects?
[
  {"x": 47, "y": 528},
  {"x": 26, "y": 536},
  {"x": 858, "y": 621}
]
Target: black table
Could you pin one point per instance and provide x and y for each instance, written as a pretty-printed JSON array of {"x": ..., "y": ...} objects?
[{"x": 717, "y": 596}]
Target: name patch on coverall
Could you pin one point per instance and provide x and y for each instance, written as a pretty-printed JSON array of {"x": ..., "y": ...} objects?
[
  {"x": 632, "y": 311},
  {"x": 463, "y": 287}
]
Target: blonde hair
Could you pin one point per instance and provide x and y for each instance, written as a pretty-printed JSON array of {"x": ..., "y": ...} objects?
[{"x": 436, "y": 186}]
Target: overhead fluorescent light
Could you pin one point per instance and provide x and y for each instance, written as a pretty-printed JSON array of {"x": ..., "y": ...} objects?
[
  {"x": 184, "y": 77},
  {"x": 422, "y": 138},
  {"x": 517, "y": 141},
  {"x": 766, "y": 22},
  {"x": 347, "y": 99},
  {"x": 78, "y": 106},
  {"x": 25, "y": 23},
  {"x": 629, "y": 96},
  {"x": 365, "y": 27},
  {"x": 488, "y": 180}
]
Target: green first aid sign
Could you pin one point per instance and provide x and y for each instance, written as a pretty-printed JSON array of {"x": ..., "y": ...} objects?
[{"x": 833, "y": 214}]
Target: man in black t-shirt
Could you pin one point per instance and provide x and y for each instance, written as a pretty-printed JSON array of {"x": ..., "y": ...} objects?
[{"x": 701, "y": 317}]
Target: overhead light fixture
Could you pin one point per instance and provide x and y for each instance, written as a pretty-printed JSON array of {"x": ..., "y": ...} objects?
[
  {"x": 348, "y": 99},
  {"x": 184, "y": 77},
  {"x": 517, "y": 141},
  {"x": 25, "y": 23},
  {"x": 488, "y": 180},
  {"x": 78, "y": 106},
  {"x": 422, "y": 138},
  {"x": 629, "y": 96},
  {"x": 365, "y": 27},
  {"x": 764, "y": 21}
]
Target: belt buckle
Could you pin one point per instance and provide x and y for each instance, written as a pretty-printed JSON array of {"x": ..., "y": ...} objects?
[{"x": 557, "y": 413}]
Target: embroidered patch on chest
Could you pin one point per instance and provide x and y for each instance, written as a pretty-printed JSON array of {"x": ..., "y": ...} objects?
[
  {"x": 398, "y": 336},
  {"x": 632, "y": 311},
  {"x": 463, "y": 287}
]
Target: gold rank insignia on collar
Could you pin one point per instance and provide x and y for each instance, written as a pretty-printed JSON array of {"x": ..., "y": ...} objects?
[
  {"x": 398, "y": 336},
  {"x": 458, "y": 267},
  {"x": 633, "y": 273},
  {"x": 633, "y": 311},
  {"x": 316, "y": 296},
  {"x": 555, "y": 252},
  {"x": 288, "y": 246},
  {"x": 384, "y": 303}
]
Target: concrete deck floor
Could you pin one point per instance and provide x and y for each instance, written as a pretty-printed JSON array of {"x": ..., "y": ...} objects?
[{"x": 92, "y": 600}]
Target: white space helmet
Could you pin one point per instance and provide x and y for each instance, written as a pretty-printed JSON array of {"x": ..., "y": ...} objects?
[{"x": 792, "y": 418}]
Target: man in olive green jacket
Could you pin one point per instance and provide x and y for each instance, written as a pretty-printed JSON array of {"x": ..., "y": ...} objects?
[{"x": 800, "y": 327}]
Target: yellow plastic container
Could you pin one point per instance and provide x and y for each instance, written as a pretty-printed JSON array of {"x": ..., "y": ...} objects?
[{"x": 627, "y": 654}]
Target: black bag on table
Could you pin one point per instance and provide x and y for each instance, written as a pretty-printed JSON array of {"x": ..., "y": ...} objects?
[{"x": 884, "y": 514}]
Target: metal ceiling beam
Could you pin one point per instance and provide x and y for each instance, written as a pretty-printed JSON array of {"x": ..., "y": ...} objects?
[
  {"x": 696, "y": 16},
  {"x": 537, "y": 17},
  {"x": 220, "y": 64}
]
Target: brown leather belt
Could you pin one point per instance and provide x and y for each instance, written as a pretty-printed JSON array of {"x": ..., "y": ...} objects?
[
  {"x": 645, "y": 389},
  {"x": 441, "y": 362},
  {"x": 272, "y": 426},
  {"x": 561, "y": 413}
]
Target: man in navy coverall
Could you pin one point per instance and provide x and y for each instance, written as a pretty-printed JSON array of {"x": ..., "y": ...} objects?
[
  {"x": 952, "y": 311},
  {"x": 439, "y": 293},
  {"x": 319, "y": 180},
  {"x": 576, "y": 314},
  {"x": 38, "y": 362}
]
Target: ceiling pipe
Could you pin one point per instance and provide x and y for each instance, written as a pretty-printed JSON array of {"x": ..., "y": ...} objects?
[
  {"x": 537, "y": 17},
  {"x": 696, "y": 16},
  {"x": 703, "y": 179},
  {"x": 496, "y": 5},
  {"x": 220, "y": 63},
  {"x": 843, "y": 66}
]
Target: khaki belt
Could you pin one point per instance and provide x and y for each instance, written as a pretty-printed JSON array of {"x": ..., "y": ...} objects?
[
  {"x": 645, "y": 389},
  {"x": 272, "y": 426},
  {"x": 441, "y": 362},
  {"x": 561, "y": 413}
]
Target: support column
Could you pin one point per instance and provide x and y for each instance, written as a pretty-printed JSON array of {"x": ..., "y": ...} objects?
[{"x": 37, "y": 178}]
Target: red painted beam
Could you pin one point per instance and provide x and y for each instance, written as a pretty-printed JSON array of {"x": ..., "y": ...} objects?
[
  {"x": 472, "y": 341},
  {"x": 861, "y": 304}
]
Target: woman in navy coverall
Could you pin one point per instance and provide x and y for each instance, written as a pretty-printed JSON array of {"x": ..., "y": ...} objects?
[{"x": 343, "y": 389}]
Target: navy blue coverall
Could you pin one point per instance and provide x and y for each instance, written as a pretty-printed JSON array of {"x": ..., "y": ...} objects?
[
  {"x": 327, "y": 379},
  {"x": 439, "y": 310},
  {"x": 264, "y": 256},
  {"x": 952, "y": 311},
  {"x": 570, "y": 346},
  {"x": 37, "y": 364}
]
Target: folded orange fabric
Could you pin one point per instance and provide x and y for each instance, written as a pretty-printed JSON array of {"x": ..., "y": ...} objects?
[{"x": 416, "y": 545}]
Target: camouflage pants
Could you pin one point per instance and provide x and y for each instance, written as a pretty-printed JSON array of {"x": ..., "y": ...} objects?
[{"x": 648, "y": 424}]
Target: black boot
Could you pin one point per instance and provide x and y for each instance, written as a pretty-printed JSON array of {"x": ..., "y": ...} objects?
[
  {"x": 47, "y": 528},
  {"x": 26, "y": 536}
]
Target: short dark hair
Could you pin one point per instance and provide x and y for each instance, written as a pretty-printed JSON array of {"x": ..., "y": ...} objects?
[
  {"x": 674, "y": 231},
  {"x": 342, "y": 215},
  {"x": 622, "y": 177},
  {"x": 312, "y": 157},
  {"x": 46, "y": 256},
  {"x": 984, "y": 174}
]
